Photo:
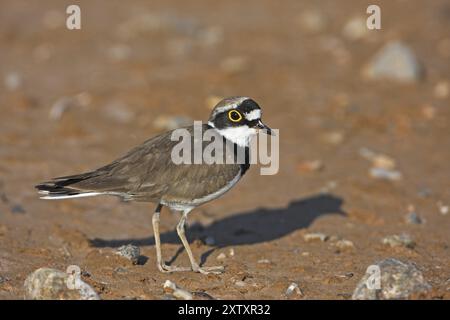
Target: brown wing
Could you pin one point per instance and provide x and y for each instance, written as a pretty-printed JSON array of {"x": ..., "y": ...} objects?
[{"x": 147, "y": 173}]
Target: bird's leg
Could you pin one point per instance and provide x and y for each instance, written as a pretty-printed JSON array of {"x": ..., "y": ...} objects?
[
  {"x": 194, "y": 264},
  {"x": 160, "y": 264}
]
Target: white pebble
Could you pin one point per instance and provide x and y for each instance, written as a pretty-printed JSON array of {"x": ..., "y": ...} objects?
[
  {"x": 221, "y": 256},
  {"x": 293, "y": 287},
  {"x": 178, "y": 293}
]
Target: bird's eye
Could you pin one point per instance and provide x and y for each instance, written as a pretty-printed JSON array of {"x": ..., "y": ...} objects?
[{"x": 234, "y": 116}]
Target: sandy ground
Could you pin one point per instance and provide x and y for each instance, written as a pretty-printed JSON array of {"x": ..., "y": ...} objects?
[{"x": 131, "y": 64}]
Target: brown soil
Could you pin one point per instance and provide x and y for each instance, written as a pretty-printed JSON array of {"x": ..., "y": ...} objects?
[{"x": 310, "y": 87}]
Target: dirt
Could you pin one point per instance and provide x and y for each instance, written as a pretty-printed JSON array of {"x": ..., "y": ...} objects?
[{"x": 120, "y": 74}]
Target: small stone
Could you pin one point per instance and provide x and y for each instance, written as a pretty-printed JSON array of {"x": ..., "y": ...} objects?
[
  {"x": 413, "y": 218},
  {"x": 178, "y": 293},
  {"x": 63, "y": 104},
  {"x": 385, "y": 174},
  {"x": 395, "y": 61},
  {"x": 403, "y": 240},
  {"x": 293, "y": 288},
  {"x": 129, "y": 252},
  {"x": 234, "y": 65},
  {"x": 118, "y": 112},
  {"x": 43, "y": 52},
  {"x": 211, "y": 36},
  {"x": 51, "y": 284},
  {"x": 13, "y": 81},
  {"x": 240, "y": 283},
  {"x": 310, "y": 166},
  {"x": 315, "y": 236},
  {"x": 170, "y": 123},
  {"x": 119, "y": 52},
  {"x": 221, "y": 256},
  {"x": 333, "y": 138},
  {"x": 313, "y": 21},
  {"x": 378, "y": 160},
  {"x": 18, "y": 209},
  {"x": 355, "y": 29},
  {"x": 231, "y": 252},
  {"x": 344, "y": 244},
  {"x": 397, "y": 280},
  {"x": 442, "y": 90},
  {"x": 264, "y": 261},
  {"x": 443, "y": 209},
  {"x": 428, "y": 111}
]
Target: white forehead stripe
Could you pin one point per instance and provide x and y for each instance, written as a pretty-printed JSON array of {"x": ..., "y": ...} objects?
[
  {"x": 229, "y": 106},
  {"x": 253, "y": 115}
]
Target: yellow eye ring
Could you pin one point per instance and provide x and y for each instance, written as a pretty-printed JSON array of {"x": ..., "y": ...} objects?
[{"x": 234, "y": 116}]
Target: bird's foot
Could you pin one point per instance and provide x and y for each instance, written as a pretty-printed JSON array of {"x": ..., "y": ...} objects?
[
  {"x": 208, "y": 270},
  {"x": 167, "y": 269}
]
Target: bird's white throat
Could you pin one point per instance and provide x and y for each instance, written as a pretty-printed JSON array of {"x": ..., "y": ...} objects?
[{"x": 240, "y": 135}]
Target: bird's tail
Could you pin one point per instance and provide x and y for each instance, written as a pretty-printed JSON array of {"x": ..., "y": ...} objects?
[{"x": 64, "y": 187}]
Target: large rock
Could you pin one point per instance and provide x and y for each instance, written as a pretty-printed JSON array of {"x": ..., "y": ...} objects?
[
  {"x": 51, "y": 284},
  {"x": 398, "y": 280},
  {"x": 395, "y": 61}
]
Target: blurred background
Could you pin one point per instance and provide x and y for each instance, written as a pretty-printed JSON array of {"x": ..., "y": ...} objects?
[{"x": 364, "y": 139}]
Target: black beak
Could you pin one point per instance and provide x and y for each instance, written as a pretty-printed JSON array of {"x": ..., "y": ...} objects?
[{"x": 267, "y": 130}]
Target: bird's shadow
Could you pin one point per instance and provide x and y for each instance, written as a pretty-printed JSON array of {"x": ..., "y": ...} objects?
[{"x": 256, "y": 226}]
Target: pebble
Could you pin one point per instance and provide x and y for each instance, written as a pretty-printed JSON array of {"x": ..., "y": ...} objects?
[
  {"x": 443, "y": 209},
  {"x": 170, "y": 123},
  {"x": 313, "y": 21},
  {"x": 63, "y": 104},
  {"x": 210, "y": 36},
  {"x": 315, "y": 236},
  {"x": 178, "y": 293},
  {"x": 395, "y": 61},
  {"x": 355, "y": 29},
  {"x": 441, "y": 90},
  {"x": 129, "y": 252},
  {"x": 344, "y": 244},
  {"x": 399, "y": 280},
  {"x": 310, "y": 166},
  {"x": 294, "y": 288},
  {"x": 240, "y": 283},
  {"x": 413, "y": 218},
  {"x": 378, "y": 160},
  {"x": 234, "y": 65},
  {"x": 231, "y": 252},
  {"x": 221, "y": 256},
  {"x": 264, "y": 261},
  {"x": 119, "y": 52},
  {"x": 18, "y": 209},
  {"x": 385, "y": 174},
  {"x": 333, "y": 138},
  {"x": 52, "y": 284},
  {"x": 403, "y": 240},
  {"x": 13, "y": 81},
  {"x": 118, "y": 112}
]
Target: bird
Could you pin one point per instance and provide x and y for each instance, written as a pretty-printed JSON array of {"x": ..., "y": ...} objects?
[{"x": 147, "y": 173}]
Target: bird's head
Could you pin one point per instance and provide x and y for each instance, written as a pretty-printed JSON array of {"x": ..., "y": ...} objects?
[{"x": 237, "y": 119}]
